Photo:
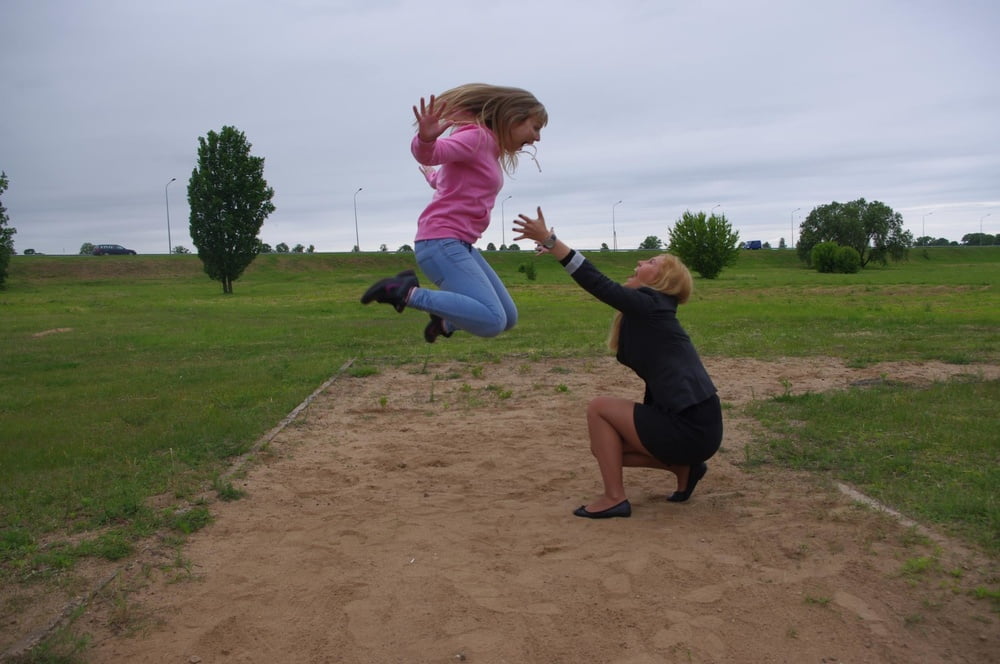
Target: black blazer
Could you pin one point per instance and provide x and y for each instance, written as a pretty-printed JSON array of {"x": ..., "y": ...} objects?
[{"x": 652, "y": 342}]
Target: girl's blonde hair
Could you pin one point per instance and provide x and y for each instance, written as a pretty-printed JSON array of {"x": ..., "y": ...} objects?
[
  {"x": 673, "y": 279},
  {"x": 497, "y": 108}
]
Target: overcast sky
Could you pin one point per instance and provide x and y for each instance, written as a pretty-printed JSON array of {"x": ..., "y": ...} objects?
[{"x": 761, "y": 110}]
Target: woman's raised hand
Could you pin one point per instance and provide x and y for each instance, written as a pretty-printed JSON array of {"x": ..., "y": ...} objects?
[
  {"x": 431, "y": 120},
  {"x": 532, "y": 229}
]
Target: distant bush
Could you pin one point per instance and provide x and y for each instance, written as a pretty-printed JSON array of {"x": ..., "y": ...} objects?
[
  {"x": 831, "y": 257},
  {"x": 847, "y": 260},
  {"x": 705, "y": 243},
  {"x": 823, "y": 256}
]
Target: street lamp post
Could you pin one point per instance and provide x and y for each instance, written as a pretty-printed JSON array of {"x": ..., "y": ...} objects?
[
  {"x": 792, "y": 225},
  {"x": 614, "y": 231},
  {"x": 503, "y": 240},
  {"x": 712, "y": 213},
  {"x": 981, "y": 222},
  {"x": 170, "y": 245},
  {"x": 357, "y": 238},
  {"x": 923, "y": 224}
]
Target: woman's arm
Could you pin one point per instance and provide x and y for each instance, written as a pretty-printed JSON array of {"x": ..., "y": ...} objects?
[
  {"x": 535, "y": 229},
  {"x": 591, "y": 279}
]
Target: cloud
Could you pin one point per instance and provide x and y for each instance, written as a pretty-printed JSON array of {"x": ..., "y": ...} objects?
[{"x": 758, "y": 107}]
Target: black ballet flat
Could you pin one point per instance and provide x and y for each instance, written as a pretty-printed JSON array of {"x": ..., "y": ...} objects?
[
  {"x": 695, "y": 475},
  {"x": 623, "y": 509}
]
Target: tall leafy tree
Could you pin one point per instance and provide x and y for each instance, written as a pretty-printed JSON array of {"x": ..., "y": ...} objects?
[
  {"x": 229, "y": 201},
  {"x": 872, "y": 229},
  {"x": 6, "y": 234},
  {"x": 705, "y": 243}
]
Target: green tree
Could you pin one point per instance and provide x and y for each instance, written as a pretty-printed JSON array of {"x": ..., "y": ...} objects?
[
  {"x": 978, "y": 239},
  {"x": 229, "y": 201},
  {"x": 651, "y": 242},
  {"x": 281, "y": 248},
  {"x": 6, "y": 234},
  {"x": 928, "y": 241},
  {"x": 86, "y": 249},
  {"x": 705, "y": 244},
  {"x": 873, "y": 229}
]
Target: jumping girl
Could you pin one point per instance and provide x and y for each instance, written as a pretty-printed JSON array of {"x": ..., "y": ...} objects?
[{"x": 490, "y": 125}]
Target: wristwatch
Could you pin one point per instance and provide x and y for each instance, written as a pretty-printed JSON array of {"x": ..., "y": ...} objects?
[{"x": 550, "y": 241}]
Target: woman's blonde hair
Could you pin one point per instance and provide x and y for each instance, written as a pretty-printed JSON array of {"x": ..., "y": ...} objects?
[
  {"x": 673, "y": 279},
  {"x": 497, "y": 108}
]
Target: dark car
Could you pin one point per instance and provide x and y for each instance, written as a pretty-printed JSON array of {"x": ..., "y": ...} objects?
[{"x": 107, "y": 249}]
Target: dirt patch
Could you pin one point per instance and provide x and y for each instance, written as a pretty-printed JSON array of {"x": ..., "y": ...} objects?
[
  {"x": 54, "y": 330},
  {"x": 425, "y": 517}
]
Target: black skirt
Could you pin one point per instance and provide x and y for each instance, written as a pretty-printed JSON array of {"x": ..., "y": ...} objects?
[{"x": 684, "y": 438}]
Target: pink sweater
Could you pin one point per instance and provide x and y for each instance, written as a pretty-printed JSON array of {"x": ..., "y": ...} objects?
[{"x": 466, "y": 185}]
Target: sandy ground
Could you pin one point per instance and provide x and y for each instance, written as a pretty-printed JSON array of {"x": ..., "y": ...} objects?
[{"x": 424, "y": 516}]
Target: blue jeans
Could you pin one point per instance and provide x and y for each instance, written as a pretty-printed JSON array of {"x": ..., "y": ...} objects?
[{"x": 472, "y": 297}]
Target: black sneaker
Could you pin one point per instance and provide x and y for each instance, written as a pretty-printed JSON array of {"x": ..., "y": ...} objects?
[
  {"x": 435, "y": 329},
  {"x": 392, "y": 290}
]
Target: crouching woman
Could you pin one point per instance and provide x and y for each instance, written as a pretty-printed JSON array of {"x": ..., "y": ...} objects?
[{"x": 678, "y": 425}]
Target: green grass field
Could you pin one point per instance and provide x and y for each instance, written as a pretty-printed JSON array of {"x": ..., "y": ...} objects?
[{"x": 128, "y": 377}]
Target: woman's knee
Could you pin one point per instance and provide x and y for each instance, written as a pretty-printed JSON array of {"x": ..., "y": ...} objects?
[{"x": 599, "y": 407}]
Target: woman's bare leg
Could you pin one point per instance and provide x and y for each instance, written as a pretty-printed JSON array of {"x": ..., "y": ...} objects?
[
  {"x": 644, "y": 460},
  {"x": 682, "y": 473},
  {"x": 615, "y": 444}
]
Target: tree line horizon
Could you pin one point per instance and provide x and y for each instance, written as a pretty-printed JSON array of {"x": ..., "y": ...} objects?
[{"x": 229, "y": 201}]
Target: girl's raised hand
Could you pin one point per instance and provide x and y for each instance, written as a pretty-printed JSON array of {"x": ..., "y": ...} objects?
[{"x": 431, "y": 120}]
